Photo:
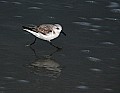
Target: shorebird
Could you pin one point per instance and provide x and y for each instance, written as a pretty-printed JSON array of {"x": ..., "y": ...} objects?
[{"x": 46, "y": 32}]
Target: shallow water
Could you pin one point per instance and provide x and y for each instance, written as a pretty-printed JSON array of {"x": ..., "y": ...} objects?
[{"x": 89, "y": 60}]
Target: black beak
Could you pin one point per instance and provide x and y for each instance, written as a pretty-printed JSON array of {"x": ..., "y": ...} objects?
[{"x": 63, "y": 33}]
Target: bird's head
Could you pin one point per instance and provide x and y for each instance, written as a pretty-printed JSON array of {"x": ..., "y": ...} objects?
[{"x": 58, "y": 28}]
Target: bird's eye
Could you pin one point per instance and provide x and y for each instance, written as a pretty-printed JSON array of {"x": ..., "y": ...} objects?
[{"x": 57, "y": 28}]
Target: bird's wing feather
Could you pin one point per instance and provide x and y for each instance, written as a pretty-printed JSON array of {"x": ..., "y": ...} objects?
[{"x": 44, "y": 29}]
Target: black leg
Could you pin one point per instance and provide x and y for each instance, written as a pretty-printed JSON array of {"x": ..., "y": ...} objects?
[
  {"x": 55, "y": 46},
  {"x": 57, "y": 50},
  {"x": 34, "y": 51},
  {"x": 33, "y": 42}
]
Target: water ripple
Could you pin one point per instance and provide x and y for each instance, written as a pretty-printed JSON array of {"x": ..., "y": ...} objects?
[
  {"x": 94, "y": 59},
  {"x": 87, "y": 24},
  {"x": 23, "y": 81},
  {"x": 9, "y": 78},
  {"x": 18, "y": 3},
  {"x": 39, "y": 3},
  {"x": 94, "y": 29},
  {"x": 51, "y": 17},
  {"x": 107, "y": 43},
  {"x": 96, "y": 19},
  {"x": 90, "y": 2},
  {"x": 96, "y": 69},
  {"x": 107, "y": 32},
  {"x": 1, "y": 88},
  {"x": 17, "y": 16},
  {"x": 3, "y": 1},
  {"x": 113, "y": 5},
  {"x": 68, "y": 6},
  {"x": 82, "y": 18},
  {"x": 34, "y": 8},
  {"x": 115, "y": 10},
  {"x": 95, "y": 26},
  {"x": 83, "y": 23},
  {"x": 112, "y": 19},
  {"x": 108, "y": 89},
  {"x": 82, "y": 87},
  {"x": 85, "y": 51}
]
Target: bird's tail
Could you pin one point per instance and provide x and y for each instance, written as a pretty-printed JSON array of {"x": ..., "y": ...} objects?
[{"x": 27, "y": 28}]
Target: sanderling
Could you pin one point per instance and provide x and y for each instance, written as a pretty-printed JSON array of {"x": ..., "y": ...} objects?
[{"x": 46, "y": 32}]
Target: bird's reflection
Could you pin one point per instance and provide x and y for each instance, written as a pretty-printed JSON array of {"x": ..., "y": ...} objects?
[{"x": 45, "y": 65}]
